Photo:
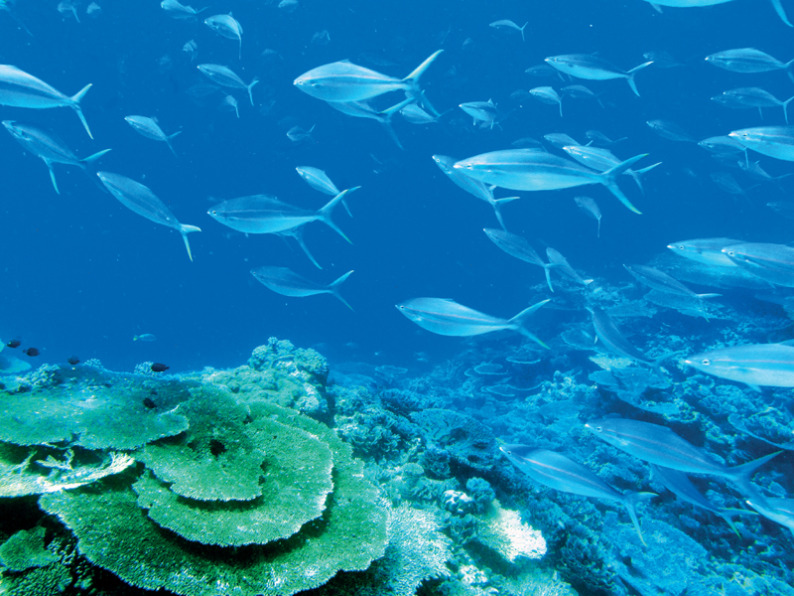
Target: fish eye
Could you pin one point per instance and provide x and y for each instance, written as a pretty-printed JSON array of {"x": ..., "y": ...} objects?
[
  {"x": 705, "y": 362},
  {"x": 680, "y": 247}
]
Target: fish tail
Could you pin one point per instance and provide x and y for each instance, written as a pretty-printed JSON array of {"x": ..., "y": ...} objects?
[
  {"x": 413, "y": 78},
  {"x": 95, "y": 156},
  {"x": 518, "y": 322},
  {"x": 785, "y": 108},
  {"x": 598, "y": 228},
  {"x": 547, "y": 272},
  {"x": 75, "y": 103},
  {"x": 250, "y": 87},
  {"x": 778, "y": 6},
  {"x": 333, "y": 287},
  {"x": 52, "y": 176},
  {"x": 630, "y": 501},
  {"x": 186, "y": 229},
  {"x": 522, "y": 31},
  {"x": 609, "y": 179},
  {"x": 497, "y": 209},
  {"x": 704, "y": 296},
  {"x": 325, "y": 212},
  {"x": 387, "y": 125},
  {"x": 741, "y": 475},
  {"x": 632, "y": 72}
]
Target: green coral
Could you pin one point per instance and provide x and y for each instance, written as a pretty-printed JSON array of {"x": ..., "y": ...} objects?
[
  {"x": 116, "y": 533},
  {"x": 25, "y": 550},
  {"x": 93, "y": 413}
]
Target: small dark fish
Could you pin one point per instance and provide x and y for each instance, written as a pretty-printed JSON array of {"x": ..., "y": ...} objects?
[
  {"x": 149, "y": 403},
  {"x": 31, "y": 352},
  {"x": 73, "y": 360},
  {"x": 14, "y": 343},
  {"x": 159, "y": 367}
]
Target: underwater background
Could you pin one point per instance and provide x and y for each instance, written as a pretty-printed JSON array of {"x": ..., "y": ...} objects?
[{"x": 83, "y": 276}]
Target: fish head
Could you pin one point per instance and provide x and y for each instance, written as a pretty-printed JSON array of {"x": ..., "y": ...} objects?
[
  {"x": 446, "y": 163},
  {"x": 17, "y": 131}
]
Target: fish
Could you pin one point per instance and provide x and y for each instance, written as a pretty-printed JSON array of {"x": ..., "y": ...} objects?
[
  {"x": 13, "y": 343},
  {"x": 752, "y": 97},
  {"x": 298, "y": 134},
  {"x": 32, "y": 352},
  {"x": 159, "y": 367},
  {"x": 179, "y": 11},
  {"x": 772, "y": 141},
  {"x": 141, "y": 200},
  {"x": 547, "y": 95},
  {"x": 264, "y": 214},
  {"x": 756, "y": 365},
  {"x": 446, "y": 317},
  {"x": 662, "y": 282},
  {"x": 559, "y": 472},
  {"x": 589, "y": 206},
  {"x": 681, "y": 486},
  {"x": 519, "y": 248},
  {"x": 47, "y": 147},
  {"x": 771, "y": 262},
  {"x": 361, "y": 109},
  {"x": 67, "y": 6},
  {"x": 472, "y": 186},
  {"x": 670, "y": 131},
  {"x": 226, "y": 77},
  {"x": 344, "y": 81},
  {"x": 558, "y": 261},
  {"x": 592, "y": 68},
  {"x": 508, "y": 24},
  {"x": 19, "y": 89},
  {"x": 146, "y": 337},
  {"x": 318, "y": 180},
  {"x": 149, "y": 128},
  {"x": 73, "y": 360},
  {"x": 776, "y": 4},
  {"x": 722, "y": 145},
  {"x": 414, "y": 114},
  {"x": 659, "y": 445},
  {"x": 748, "y": 61},
  {"x": 483, "y": 113},
  {"x": 230, "y": 102},
  {"x": 705, "y": 250},
  {"x": 227, "y": 26},
  {"x": 531, "y": 170},
  {"x": 560, "y": 139},
  {"x": 600, "y": 159},
  {"x": 778, "y": 510},
  {"x": 288, "y": 283},
  {"x": 611, "y": 337}
]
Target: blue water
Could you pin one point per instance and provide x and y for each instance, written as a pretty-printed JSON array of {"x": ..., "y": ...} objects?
[{"x": 81, "y": 274}]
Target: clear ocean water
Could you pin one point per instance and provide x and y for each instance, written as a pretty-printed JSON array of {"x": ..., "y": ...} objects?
[{"x": 82, "y": 275}]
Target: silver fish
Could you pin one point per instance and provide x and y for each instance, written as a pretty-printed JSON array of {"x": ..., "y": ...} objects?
[
  {"x": 318, "y": 180},
  {"x": 589, "y": 206},
  {"x": 472, "y": 186},
  {"x": 659, "y": 445},
  {"x": 141, "y": 200},
  {"x": 48, "y": 148},
  {"x": 263, "y": 214},
  {"x": 178, "y": 10},
  {"x": 508, "y": 24},
  {"x": 592, "y": 68},
  {"x": 601, "y": 159},
  {"x": 559, "y": 140},
  {"x": 346, "y": 82},
  {"x": 778, "y": 510},
  {"x": 22, "y": 90},
  {"x": 288, "y": 283},
  {"x": 149, "y": 128},
  {"x": 530, "y": 170},
  {"x": 227, "y": 26},
  {"x": 773, "y": 141},
  {"x": 705, "y": 250},
  {"x": 757, "y": 365},
  {"x": 662, "y": 282},
  {"x": 557, "y": 471},
  {"x": 519, "y": 248},
  {"x": 361, "y": 109},
  {"x": 776, "y": 4},
  {"x": 558, "y": 261},
  {"x": 414, "y": 114},
  {"x": 771, "y": 262},
  {"x": 446, "y": 317},
  {"x": 748, "y": 60},
  {"x": 751, "y": 97},
  {"x": 484, "y": 113},
  {"x": 226, "y": 77},
  {"x": 547, "y": 95},
  {"x": 612, "y": 339},
  {"x": 722, "y": 145}
]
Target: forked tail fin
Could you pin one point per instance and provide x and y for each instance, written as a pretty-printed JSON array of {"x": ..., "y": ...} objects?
[
  {"x": 75, "y": 105},
  {"x": 609, "y": 179},
  {"x": 186, "y": 229}
]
